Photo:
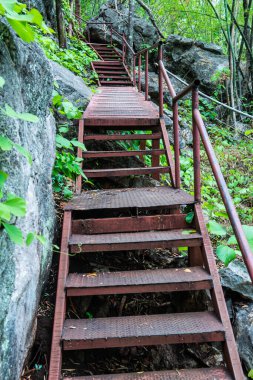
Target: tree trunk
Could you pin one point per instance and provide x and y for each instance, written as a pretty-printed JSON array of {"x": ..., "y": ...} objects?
[
  {"x": 60, "y": 25},
  {"x": 78, "y": 10}
]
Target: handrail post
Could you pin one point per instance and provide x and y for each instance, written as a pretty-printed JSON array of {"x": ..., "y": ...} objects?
[
  {"x": 134, "y": 70},
  {"x": 160, "y": 58},
  {"x": 123, "y": 48},
  {"x": 111, "y": 34},
  {"x": 146, "y": 75},
  {"x": 196, "y": 146},
  {"x": 139, "y": 73},
  {"x": 176, "y": 144}
]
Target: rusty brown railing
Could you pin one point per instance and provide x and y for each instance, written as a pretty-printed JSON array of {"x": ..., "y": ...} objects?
[{"x": 198, "y": 130}]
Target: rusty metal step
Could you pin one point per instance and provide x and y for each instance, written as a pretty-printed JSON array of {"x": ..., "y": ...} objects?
[
  {"x": 144, "y": 330},
  {"x": 122, "y": 241},
  {"x": 110, "y": 72},
  {"x": 108, "y": 68},
  {"x": 113, "y": 76},
  {"x": 123, "y": 153},
  {"x": 141, "y": 281},
  {"x": 145, "y": 198},
  {"x": 122, "y": 172},
  {"x": 113, "y": 82},
  {"x": 126, "y": 137},
  {"x": 219, "y": 373},
  {"x": 107, "y": 63}
]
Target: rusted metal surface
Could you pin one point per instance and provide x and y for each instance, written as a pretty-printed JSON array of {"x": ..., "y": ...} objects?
[
  {"x": 168, "y": 153},
  {"x": 129, "y": 224},
  {"x": 139, "y": 198},
  {"x": 80, "y": 155},
  {"x": 231, "y": 353},
  {"x": 123, "y": 153},
  {"x": 133, "y": 241},
  {"x": 114, "y": 106},
  {"x": 141, "y": 281},
  {"x": 142, "y": 330},
  {"x": 196, "y": 147},
  {"x": 228, "y": 202},
  {"x": 127, "y": 137},
  {"x": 219, "y": 373},
  {"x": 122, "y": 172},
  {"x": 60, "y": 305}
]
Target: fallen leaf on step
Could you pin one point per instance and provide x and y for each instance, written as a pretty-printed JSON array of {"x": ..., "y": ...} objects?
[{"x": 187, "y": 270}]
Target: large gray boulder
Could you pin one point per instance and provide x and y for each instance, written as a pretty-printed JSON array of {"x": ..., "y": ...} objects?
[
  {"x": 235, "y": 278},
  {"x": 71, "y": 86},
  {"x": 23, "y": 270},
  {"x": 194, "y": 59},
  {"x": 144, "y": 31},
  {"x": 244, "y": 333}
]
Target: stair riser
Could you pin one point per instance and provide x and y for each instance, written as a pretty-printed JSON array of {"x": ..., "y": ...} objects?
[
  {"x": 179, "y": 287},
  {"x": 146, "y": 341},
  {"x": 134, "y": 246},
  {"x": 132, "y": 224}
]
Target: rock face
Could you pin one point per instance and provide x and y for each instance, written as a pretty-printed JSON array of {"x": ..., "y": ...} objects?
[
  {"x": 194, "y": 59},
  {"x": 236, "y": 278},
  {"x": 23, "y": 270},
  {"x": 244, "y": 334},
  {"x": 144, "y": 32},
  {"x": 46, "y": 8},
  {"x": 71, "y": 86}
]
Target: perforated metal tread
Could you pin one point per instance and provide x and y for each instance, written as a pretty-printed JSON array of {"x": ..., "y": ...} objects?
[
  {"x": 180, "y": 374},
  {"x": 134, "y": 240},
  {"x": 141, "y": 198},
  {"x": 141, "y": 330},
  {"x": 141, "y": 281}
]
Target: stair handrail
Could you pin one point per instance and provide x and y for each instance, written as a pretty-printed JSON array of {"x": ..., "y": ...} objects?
[{"x": 199, "y": 130}]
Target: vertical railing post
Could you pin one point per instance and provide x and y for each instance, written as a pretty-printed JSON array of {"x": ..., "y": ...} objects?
[
  {"x": 139, "y": 73},
  {"x": 176, "y": 144},
  {"x": 146, "y": 75},
  {"x": 160, "y": 58},
  {"x": 111, "y": 34},
  {"x": 196, "y": 146},
  {"x": 134, "y": 70}
]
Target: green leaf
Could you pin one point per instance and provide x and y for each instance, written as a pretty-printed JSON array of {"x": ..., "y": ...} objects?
[
  {"x": 5, "y": 212},
  {"x": 62, "y": 142},
  {"x": 216, "y": 228},
  {"x": 3, "y": 178},
  {"x": 17, "y": 206},
  {"x": 15, "y": 234},
  {"x": 78, "y": 144},
  {"x": 24, "y": 153},
  {"x": 247, "y": 133},
  {"x": 2, "y": 82},
  {"x": 8, "y": 111},
  {"x": 29, "y": 238},
  {"x": 5, "y": 143},
  {"x": 250, "y": 374},
  {"x": 232, "y": 240},
  {"x": 189, "y": 217},
  {"x": 225, "y": 254},
  {"x": 248, "y": 230},
  {"x": 24, "y": 31}
]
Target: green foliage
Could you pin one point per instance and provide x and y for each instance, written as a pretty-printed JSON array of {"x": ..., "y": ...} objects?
[
  {"x": 67, "y": 164},
  {"x": 21, "y": 19},
  {"x": 77, "y": 57},
  {"x": 250, "y": 374}
]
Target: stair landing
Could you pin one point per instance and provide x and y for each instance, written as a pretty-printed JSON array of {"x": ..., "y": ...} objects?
[{"x": 120, "y": 106}]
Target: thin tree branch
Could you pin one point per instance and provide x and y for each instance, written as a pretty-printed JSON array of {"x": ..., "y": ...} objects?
[{"x": 151, "y": 17}]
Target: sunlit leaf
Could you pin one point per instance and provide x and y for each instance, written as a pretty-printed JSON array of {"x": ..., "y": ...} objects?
[
  {"x": 216, "y": 228},
  {"x": 5, "y": 143},
  {"x": 225, "y": 254},
  {"x": 15, "y": 234}
]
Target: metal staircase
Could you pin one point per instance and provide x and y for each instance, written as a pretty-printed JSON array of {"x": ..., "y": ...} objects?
[{"x": 149, "y": 218}]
